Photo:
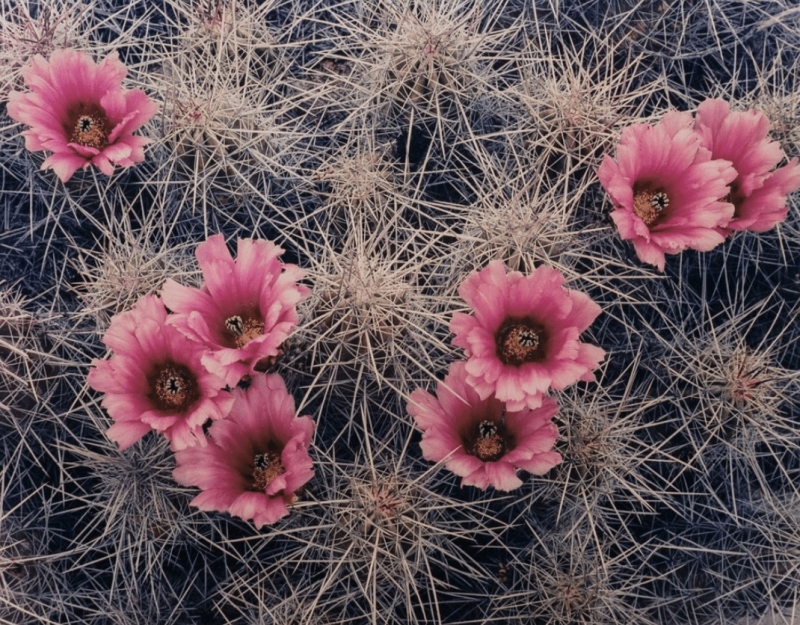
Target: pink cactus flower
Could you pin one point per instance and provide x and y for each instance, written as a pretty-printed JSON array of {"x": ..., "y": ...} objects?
[
  {"x": 667, "y": 190},
  {"x": 479, "y": 439},
  {"x": 524, "y": 336},
  {"x": 245, "y": 309},
  {"x": 257, "y": 458},
  {"x": 155, "y": 380},
  {"x": 79, "y": 111},
  {"x": 759, "y": 191}
]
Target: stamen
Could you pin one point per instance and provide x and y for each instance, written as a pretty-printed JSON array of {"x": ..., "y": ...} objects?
[
  {"x": 648, "y": 205},
  {"x": 243, "y": 329},
  {"x": 266, "y": 467},
  {"x": 175, "y": 387},
  {"x": 519, "y": 341},
  {"x": 489, "y": 446},
  {"x": 90, "y": 131}
]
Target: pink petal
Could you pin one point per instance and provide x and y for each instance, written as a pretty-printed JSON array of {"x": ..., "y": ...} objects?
[
  {"x": 541, "y": 463},
  {"x": 64, "y": 164},
  {"x": 127, "y": 433}
]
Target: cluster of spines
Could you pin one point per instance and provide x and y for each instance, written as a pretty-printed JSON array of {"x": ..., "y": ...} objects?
[{"x": 671, "y": 46}]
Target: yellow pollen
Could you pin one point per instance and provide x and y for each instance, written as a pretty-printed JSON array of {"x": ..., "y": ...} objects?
[
  {"x": 90, "y": 131},
  {"x": 489, "y": 445},
  {"x": 266, "y": 467},
  {"x": 175, "y": 387},
  {"x": 648, "y": 205},
  {"x": 519, "y": 341}
]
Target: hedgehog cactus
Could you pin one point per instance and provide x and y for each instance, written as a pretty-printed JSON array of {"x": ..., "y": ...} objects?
[{"x": 509, "y": 334}]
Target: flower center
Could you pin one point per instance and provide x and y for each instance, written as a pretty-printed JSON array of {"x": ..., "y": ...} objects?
[
  {"x": 648, "y": 205},
  {"x": 90, "y": 130},
  {"x": 266, "y": 467},
  {"x": 243, "y": 329},
  {"x": 519, "y": 341},
  {"x": 735, "y": 197},
  {"x": 489, "y": 444},
  {"x": 175, "y": 387}
]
